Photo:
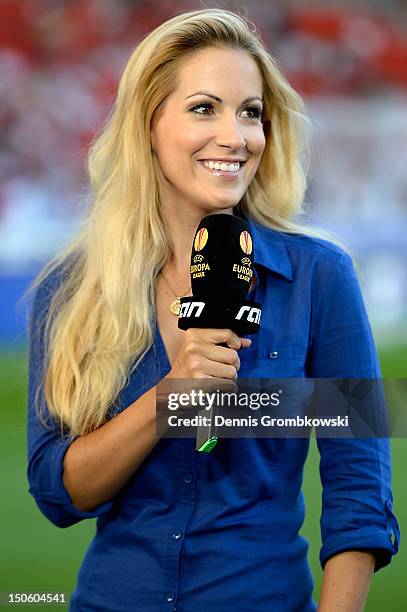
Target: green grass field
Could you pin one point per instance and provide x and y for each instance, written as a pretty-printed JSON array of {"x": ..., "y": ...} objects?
[{"x": 36, "y": 556}]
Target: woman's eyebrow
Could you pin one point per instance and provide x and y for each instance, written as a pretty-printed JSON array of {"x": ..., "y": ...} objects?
[{"x": 205, "y": 93}]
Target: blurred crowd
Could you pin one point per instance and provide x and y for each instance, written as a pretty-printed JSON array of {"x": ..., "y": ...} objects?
[{"x": 60, "y": 61}]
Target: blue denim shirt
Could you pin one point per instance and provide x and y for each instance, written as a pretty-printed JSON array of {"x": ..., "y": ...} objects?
[{"x": 210, "y": 531}]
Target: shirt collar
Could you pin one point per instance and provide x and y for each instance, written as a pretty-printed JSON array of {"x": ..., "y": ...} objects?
[{"x": 270, "y": 250}]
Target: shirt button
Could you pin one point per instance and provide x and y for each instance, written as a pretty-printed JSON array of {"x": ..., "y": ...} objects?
[
  {"x": 170, "y": 597},
  {"x": 188, "y": 478},
  {"x": 177, "y": 534},
  {"x": 273, "y": 354}
]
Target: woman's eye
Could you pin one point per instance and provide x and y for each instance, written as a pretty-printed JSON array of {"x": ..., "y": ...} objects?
[
  {"x": 255, "y": 112},
  {"x": 195, "y": 109}
]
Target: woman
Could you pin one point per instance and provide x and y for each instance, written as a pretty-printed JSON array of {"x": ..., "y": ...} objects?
[{"x": 177, "y": 529}]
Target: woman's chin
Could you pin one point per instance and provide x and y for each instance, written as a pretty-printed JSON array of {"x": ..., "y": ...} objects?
[
  {"x": 222, "y": 204},
  {"x": 220, "y": 208}
]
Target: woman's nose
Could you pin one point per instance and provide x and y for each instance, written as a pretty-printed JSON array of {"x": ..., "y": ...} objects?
[{"x": 230, "y": 134}]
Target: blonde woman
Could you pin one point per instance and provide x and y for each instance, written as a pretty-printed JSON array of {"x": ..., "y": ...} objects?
[{"x": 177, "y": 529}]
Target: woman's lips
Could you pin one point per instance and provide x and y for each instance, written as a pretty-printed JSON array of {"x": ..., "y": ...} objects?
[{"x": 224, "y": 174}]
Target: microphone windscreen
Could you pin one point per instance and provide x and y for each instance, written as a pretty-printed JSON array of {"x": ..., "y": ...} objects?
[{"x": 222, "y": 258}]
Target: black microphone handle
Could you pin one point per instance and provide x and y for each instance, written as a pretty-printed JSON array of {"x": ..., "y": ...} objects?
[{"x": 206, "y": 437}]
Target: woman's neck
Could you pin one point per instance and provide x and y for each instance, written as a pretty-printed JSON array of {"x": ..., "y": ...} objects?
[{"x": 181, "y": 230}]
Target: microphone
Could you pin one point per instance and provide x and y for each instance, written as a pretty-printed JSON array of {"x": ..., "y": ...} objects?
[{"x": 221, "y": 272}]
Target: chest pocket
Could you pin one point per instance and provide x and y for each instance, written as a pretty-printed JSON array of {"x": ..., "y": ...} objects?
[{"x": 282, "y": 359}]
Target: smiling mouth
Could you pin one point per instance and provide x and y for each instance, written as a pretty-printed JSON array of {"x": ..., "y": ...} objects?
[
  {"x": 222, "y": 169},
  {"x": 231, "y": 166}
]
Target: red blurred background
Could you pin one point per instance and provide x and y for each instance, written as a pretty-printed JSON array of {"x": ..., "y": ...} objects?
[{"x": 60, "y": 62}]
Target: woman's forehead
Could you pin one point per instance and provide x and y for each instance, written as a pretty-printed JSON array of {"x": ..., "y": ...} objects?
[{"x": 225, "y": 68}]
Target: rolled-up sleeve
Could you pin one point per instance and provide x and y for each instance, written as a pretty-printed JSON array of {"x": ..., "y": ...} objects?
[
  {"x": 46, "y": 445},
  {"x": 357, "y": 503}
]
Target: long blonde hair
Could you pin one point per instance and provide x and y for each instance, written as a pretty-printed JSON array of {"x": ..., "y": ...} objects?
[{"x": 99, "y": 321}]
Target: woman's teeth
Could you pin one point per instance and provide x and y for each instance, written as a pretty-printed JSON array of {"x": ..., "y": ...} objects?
[{"x": 222, "y": 166}]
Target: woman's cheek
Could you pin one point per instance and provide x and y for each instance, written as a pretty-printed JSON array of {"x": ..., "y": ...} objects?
[
  {"x": 260, "y": 141},
  {"x": 195, "y": 137}
]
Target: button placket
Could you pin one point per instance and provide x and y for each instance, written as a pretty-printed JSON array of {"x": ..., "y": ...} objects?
[{"x": 183, "y": 508}]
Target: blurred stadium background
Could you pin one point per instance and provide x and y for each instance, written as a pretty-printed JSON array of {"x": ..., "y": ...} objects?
[{"x": 60, "y": 62}]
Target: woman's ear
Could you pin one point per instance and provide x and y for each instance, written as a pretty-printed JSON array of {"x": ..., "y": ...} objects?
[
  {"x": 152, "y": 140},
  {"x": 153, "y": 127}
]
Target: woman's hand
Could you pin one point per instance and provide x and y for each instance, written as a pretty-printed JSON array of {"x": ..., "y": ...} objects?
[{"x": 200, "y": 355}]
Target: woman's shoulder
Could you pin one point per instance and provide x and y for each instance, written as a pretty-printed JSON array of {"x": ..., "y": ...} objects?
[
  {"x": 302, "y": 248},
  {"x": 305, "y": 242},
  {"x": 317, "y": 254}
]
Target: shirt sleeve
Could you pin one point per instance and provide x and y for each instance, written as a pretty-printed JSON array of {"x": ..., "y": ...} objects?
[
  {"x": 357, "y": 504},
  {"x": 46, "y": 445}
]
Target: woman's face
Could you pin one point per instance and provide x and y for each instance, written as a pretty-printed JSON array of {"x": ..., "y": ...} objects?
[{"x": 208, "y": 138}]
